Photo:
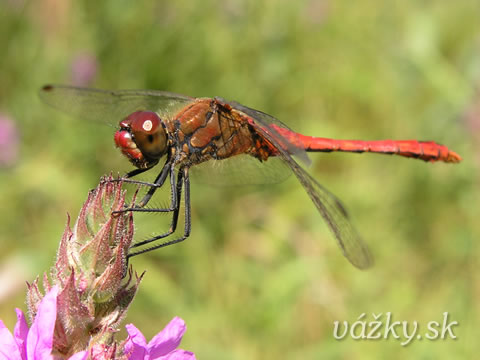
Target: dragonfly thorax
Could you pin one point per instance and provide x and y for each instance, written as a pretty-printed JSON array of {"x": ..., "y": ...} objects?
[{"x": 142, "y": 138}]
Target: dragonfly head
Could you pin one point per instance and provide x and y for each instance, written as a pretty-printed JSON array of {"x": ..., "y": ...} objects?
[{"x": 142, "y": 138}]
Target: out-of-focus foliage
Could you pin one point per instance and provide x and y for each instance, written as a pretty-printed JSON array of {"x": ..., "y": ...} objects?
[{"x": 260, "y": 276}]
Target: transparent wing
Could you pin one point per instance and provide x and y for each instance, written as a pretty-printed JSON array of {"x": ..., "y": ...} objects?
[
  {"x": 240, "y": 170},
  {"x": 331, "y": 209},
  {"x": 111, "y": 106}
]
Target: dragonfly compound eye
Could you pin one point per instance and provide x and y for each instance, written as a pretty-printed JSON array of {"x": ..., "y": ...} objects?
[{"x": 142, "y": 138}]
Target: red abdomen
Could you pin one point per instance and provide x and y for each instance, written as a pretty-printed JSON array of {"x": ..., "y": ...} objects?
[{"x": 424, "y": 150}]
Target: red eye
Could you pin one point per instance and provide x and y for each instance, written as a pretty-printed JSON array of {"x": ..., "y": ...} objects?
[
  {"x": 142, "y": 122},
  {"x": 142, "y": 138}
]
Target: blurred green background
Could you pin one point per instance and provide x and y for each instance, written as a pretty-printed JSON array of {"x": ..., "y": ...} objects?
[{"x": 260, "y": 276}]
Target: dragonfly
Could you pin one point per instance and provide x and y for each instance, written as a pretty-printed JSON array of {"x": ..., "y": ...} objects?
[{"x": 228, "y": 141}]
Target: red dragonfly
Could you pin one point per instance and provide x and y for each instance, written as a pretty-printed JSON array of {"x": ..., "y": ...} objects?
[{"x": 226, "y": 138}]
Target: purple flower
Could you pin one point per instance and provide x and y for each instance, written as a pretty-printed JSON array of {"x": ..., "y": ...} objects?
[
  {"x": 163, "y": 346},
  {"x": 95, "y": 284},
  {"x": 88, "y": 294},
  {"x": 34, "y": 343}
]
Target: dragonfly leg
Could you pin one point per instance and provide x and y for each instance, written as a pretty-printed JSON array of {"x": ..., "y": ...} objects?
[
  {"x": 159, "y": 180},
  {"x": 184, "y": 180},
  {"x": 168, "y": 168},
  {"x": 173, "y": 224},
  {"x": 135, "y": 172},
  {"x": 129, "y": 175}
]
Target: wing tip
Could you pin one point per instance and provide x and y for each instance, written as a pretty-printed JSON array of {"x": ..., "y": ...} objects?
[
  {"x": 47, "y": 88},
  {"x": 363, "y": 262}
]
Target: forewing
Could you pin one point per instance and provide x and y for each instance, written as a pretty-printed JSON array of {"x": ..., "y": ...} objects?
[{"x": 111, "y": 106}]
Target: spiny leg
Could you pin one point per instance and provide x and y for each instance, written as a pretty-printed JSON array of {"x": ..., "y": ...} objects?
[
  {"x": 169, "y": 168},
  {"x": 173, "y": 224},
  {"x": 136, "y": 172},
  {"x": 129, "y": 175},
  {"x": 182, "y": 177},
  {"x": 159, "y": 181}
]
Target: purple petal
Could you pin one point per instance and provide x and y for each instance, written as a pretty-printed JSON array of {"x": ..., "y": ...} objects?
[
  {"x": 168, "y": 339},
  {"x": 40, "y": 336},
  {"x": 82, "y": 355},
  {"x": 178, "y": 354},
  {"x": 136, "y": 345},
  {"x": 8, "y": 346},
  {"x": 20, "y": 332}
]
